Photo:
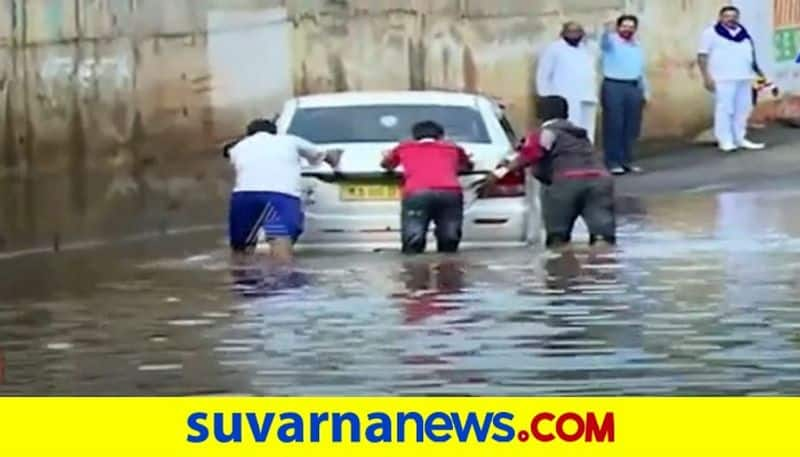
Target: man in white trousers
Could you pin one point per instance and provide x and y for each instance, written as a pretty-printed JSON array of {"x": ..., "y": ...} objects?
[
  {"x": 727, "y": 61},
  {"x": 568, "y": 68}
]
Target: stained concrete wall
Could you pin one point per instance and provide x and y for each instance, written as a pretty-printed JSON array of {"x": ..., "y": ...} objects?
[
  {"x": 88, "y": 78},
  {"x": 123, "y": 100},
  {"x": 492, "y": 47},
  {"x": 110, "y": 107}
]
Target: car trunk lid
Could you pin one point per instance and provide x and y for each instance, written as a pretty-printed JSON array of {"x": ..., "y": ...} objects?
[{"x": 360, "y": 185}]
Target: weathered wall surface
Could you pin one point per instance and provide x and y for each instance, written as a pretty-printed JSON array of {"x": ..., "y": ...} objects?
[
  {"x": 90, "y": 77},
  {"x": 492, "y": 46},
  {"x": 86, "y": 76},
  {"x": 110, "y": 108}
]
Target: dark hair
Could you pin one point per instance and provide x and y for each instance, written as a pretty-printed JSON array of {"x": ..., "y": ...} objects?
[
  {"x": 628, "y": 17},
  {"x": 427, "y": 130},
  {"x": 552, "y": 107},
  {"x": 261, "y": 125},
  {"x": 729, "y": 8},
  {"x": 568, "y": 24}
]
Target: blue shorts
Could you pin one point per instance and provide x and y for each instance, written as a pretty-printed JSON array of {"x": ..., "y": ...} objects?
[{"x": 280, "y": 215}]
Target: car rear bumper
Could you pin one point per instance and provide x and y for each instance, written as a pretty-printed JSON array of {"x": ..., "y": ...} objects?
[{"x": 494, "y": 222}]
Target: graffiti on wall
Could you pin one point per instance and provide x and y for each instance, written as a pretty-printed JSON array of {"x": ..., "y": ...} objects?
[{"x": 787, "y": 30}]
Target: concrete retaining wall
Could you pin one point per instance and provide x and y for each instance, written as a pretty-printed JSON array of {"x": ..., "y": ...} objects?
[
  {"x": 83, "y": 77},
  {"x": 110, "y": 107},
  {"x": 122, "y": 98},
  {"x": 492, "y": 46}
]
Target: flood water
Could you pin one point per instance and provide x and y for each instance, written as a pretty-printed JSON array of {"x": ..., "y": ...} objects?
[{"x": 701, "y": 298}]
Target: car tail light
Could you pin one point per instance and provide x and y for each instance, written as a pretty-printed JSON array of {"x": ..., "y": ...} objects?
[{"x": 512, "y": 185}]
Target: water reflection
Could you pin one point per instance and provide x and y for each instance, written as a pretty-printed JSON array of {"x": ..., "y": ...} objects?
[
  {"x": 429, "y": 286},
  {"x": 575, "y": 271},
  {"x": 263, "y": 279},
  {"x": 698, "y": 299},
  {"x": 137, "y": 196}
]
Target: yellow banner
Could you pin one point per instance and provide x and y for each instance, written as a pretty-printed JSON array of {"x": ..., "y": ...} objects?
[{"x": 597, "y": 427}]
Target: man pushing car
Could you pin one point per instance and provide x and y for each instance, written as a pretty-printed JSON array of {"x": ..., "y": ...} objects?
[{"x": 575, "y": 180}]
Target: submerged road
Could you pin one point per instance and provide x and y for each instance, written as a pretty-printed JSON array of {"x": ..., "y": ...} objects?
[{"x": 699, "y": 299}]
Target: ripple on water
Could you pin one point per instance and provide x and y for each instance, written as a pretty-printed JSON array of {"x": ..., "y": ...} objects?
[
  {"x": 234, "y": 349},
  {"x": 190, "y": 322},
  {"x": 162, "y": 367},
  {"x": 693, "y": 302},
  {"x": 60, "y": 346},
  {"x": 216, "y": 315}
]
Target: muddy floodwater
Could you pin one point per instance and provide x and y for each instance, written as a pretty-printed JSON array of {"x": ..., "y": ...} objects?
[{"x": 701, "y": 298}]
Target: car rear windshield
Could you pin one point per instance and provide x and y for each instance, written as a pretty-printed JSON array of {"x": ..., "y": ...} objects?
[{"x": 385, "y": 123}]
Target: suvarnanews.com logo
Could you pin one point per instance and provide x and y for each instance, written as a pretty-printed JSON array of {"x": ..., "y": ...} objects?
[{"x": 399, "y": 427}]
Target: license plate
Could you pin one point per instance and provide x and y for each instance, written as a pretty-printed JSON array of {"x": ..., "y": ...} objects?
[{"x": 369, "y": 192}]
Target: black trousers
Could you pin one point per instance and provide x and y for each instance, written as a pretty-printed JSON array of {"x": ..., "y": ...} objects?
[
  {"x": 590, "y": 198},
  {"x": 445, "y": 209}
]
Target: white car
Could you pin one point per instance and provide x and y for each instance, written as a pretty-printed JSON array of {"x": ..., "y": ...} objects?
[{"x": 358, "y": 206}]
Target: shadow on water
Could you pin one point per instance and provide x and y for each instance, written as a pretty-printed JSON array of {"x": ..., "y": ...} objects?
[
  {"x": 428, "y": 288},
  {"x": 260, "y": 279},
  {"x": 699, "y": 299}
]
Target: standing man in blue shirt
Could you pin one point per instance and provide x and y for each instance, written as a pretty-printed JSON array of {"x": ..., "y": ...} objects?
[{"x": 624, "y": 93}]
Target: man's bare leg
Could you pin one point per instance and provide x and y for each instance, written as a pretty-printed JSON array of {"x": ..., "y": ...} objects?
[
  {"x": 282, "y": 249},
  {"x": 603, "y": 242},
  {"x": 602, "y": 248},
  {"x": 558, "y": 243},
  {"x": 241, "y": 257}
]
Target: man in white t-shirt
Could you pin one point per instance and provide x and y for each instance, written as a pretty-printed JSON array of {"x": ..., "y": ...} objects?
[
  {"x": 267, "y": 191},
  {"x": 568, "y": 68},
  {"x": 728, "y": 64}
]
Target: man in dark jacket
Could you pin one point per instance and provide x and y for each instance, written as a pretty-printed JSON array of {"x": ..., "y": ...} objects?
[{"x": 574, "y": 177}]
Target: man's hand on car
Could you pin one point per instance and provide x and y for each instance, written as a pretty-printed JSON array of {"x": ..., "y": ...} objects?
[
  {"x": 485, "y": 185},
  {"x": 333, "y": 157}
]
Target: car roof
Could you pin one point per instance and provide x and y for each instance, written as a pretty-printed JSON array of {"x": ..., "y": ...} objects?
[{"x": 389, "y": 97}]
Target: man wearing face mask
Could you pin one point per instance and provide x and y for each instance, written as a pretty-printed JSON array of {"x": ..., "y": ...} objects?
[
  {"x": 624, "y": 93},
  {"x": 567, "y": 68},
  {"x": 727, "y": 61}
]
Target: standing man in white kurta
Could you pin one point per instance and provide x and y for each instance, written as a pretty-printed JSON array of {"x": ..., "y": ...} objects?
[
  {"x": 727, "y": 61},
  {"x": 568, "y": 68}
]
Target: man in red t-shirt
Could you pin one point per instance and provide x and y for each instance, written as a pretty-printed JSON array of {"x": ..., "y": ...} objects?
[{"x": 431, "y": 189}]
